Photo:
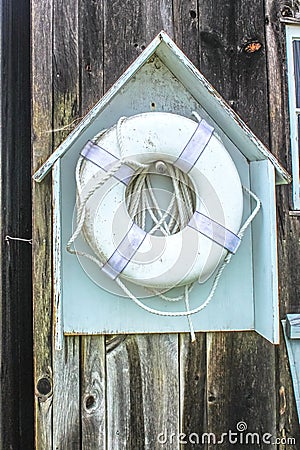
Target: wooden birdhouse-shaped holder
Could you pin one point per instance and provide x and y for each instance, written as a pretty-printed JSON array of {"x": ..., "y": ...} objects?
[{"x": 162, "y": 79}]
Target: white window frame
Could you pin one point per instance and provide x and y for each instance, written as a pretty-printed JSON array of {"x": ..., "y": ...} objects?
[{"x": 292, "y": 34}]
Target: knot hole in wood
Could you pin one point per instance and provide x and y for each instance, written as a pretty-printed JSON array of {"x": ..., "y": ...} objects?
[
  {"x": 91, "y": 402},
  {"x": 44, "y": 387}
]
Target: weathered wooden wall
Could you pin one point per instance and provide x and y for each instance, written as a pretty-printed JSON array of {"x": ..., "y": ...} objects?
[
  {"x": 16, "y": 405},
  {"x": 120, "y": 393}
]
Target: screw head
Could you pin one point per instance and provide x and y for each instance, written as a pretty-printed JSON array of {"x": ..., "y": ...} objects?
[{"x": 160, "y": 167}]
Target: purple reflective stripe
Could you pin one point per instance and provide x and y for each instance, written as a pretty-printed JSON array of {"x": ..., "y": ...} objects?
[
  {"x": 215, "y": 231},
  {"x": 124, "y": 252},
  {"x": 98, "y": 155},
  {"x": 194, "y": 148},
  {"x": 105, "y": 160}
]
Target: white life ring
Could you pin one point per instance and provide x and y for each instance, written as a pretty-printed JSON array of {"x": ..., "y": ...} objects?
[{"x": 162, "y": 261}]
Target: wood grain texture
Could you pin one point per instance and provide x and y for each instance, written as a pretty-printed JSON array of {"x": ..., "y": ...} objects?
[
  {"x": 240, "y": 379},
  {"x": 129, "y": 26},
  {"x": 193, "y": 371},
  {"x": 93, "y": 357},
  {"x": 66, "y": 396},
  {"x": 65, "y": 67},
  {"x": 288, "y": 226},
  {"x": 143, "y": 392},
  {"x": 42, "y": 245},
  {"x": 239, "y": 76},
  {"x": 66, "y": 88},
  {"x": 91, "y": 35},
  {"x": 186, "y": 28},
  {"x": 278, "y": 97},
  {"x": 93, "y": 393},
  {"x": 118, "y": 399}
]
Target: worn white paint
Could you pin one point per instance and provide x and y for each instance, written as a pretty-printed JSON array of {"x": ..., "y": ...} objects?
[
  {"x": 56, "y": 205},
  {"x": 265, "y": 270},
  {"x": 293, "y": 326}
]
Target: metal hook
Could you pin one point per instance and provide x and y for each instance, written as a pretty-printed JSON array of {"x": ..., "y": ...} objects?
[{"x": 10, "y": 238}]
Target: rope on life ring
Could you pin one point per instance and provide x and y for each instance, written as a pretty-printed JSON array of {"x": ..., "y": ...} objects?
[{"x": 143, "y": 201}]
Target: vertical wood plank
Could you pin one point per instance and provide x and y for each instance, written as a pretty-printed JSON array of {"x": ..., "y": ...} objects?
[
  {"x": 65, "y": 67},
  {"x": 143, "y": 393},
  {"x": 91, "y": 34},
  {"x": 118, "y": 399},
  {"x": 93, "y": 357},
  {"x": 159, "y": 357},
  {"x": 251, "y": 68},
  {"x": 288, "y": 227},
  {"x": 66, "y": 362},
  {"x": 129, "y": 26},
  {"x": 240, "y": 379},
  {"x": 277, "y": 93},
  {"x": 186, "y": 28},
  {"x": 192, "y": 389},
  {"x": 240, "y": 76},
  {"x": 93, "y": 388},
  {"x": 42, "y": 245},
  {"x": 66, "y": 395}
]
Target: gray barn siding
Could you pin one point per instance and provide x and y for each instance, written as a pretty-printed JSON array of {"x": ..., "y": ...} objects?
[{"x": 106, "y": 393}]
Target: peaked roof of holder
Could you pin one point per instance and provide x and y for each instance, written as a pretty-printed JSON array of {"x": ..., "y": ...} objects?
[{"x": 252, "y": 148}]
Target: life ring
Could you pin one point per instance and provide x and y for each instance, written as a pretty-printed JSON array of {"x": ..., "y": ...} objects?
[{"x": 162, "y": 262}]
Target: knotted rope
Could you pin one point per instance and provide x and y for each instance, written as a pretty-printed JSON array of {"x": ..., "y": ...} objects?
[{"x": 143, "y": 206}]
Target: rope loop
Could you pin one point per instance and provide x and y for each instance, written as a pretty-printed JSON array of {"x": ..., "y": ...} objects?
[{"x": 143, "y": 206}]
